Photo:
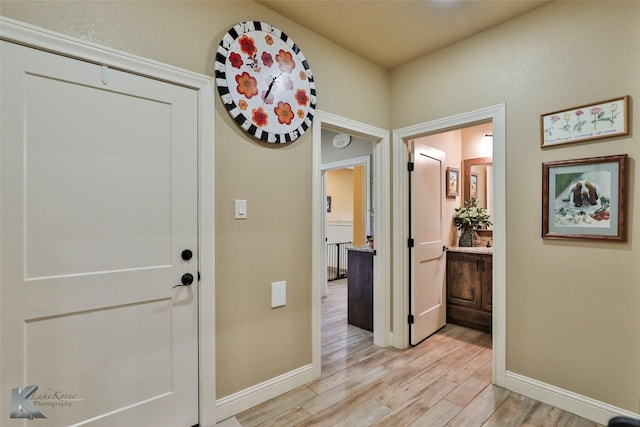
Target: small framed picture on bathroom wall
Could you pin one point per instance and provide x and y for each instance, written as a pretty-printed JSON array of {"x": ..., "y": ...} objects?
[{"x": 453, "y": 182}]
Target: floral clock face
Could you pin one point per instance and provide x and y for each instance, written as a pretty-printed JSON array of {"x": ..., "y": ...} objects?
[{"x": 265, "y": 82}]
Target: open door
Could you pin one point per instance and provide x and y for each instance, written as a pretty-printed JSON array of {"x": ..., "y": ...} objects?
[{"x": 427, "y": 260}]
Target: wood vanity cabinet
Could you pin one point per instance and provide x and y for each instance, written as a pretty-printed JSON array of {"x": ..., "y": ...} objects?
[{"x": 469, "y": 289}]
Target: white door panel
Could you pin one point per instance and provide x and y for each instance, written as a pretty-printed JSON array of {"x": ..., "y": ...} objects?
[
  {"x": 66, "y": 185},
  {"x": 98, "y": 199},
  {"x": 428, "y": 261}
]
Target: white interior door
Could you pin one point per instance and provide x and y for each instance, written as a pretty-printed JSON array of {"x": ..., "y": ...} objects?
[
  {"x": 98, "y": 199},
  {"x": 428, "y": 290}
]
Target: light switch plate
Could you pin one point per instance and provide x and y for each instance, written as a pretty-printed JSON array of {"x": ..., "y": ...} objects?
[
  {"x": 278, "y": 294},
  {"x": 241, "y": 209}
]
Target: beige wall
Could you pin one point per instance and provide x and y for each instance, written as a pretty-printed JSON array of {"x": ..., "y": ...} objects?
[
  {"x": 254, "y": 343},
  {"x": 340, "y": 188},
  {"x": 573, "y": 316},
  {"x": 359, "y": 206},
  {"x": 472, "y": 145},
  {"x": 572, "y": 307}
]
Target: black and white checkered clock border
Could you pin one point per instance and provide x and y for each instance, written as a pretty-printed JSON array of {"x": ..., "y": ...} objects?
[{"x": 234, "y": 111}]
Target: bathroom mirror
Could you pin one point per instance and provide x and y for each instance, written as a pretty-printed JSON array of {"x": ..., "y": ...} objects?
[
  {"x": 477, "y": 167},
  {"x": 478, "y": 181}
]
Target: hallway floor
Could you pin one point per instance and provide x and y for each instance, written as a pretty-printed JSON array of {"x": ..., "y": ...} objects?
[{"x": 444, "y": 381}]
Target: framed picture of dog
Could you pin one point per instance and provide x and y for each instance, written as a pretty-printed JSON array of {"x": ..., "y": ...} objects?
[{"x": 585, "y": 198}]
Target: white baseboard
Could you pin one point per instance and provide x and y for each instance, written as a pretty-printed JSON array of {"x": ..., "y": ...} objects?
[
  {"x": 583, "y": 406},
  {"x": 233, "y": 404}
]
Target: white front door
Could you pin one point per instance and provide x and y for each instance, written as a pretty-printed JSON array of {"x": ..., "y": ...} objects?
[
  {"x": 98, "y": 191},
  {"x": 428, "y": 289}
]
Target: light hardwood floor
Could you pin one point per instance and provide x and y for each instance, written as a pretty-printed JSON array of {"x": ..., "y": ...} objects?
[{"x": 444, "y": 381}]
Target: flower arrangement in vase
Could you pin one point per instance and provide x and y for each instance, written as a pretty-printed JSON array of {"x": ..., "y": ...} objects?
[{"x": 469, "y": 218}]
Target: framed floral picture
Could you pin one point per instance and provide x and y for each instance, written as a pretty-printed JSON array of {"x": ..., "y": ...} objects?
[
  {"x": 592, "y": 121},
  {"x": 453, "y": 182},
  {"x": 585, "y": 198}
]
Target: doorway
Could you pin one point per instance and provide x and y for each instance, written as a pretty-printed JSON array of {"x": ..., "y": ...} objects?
[
  {"x": 380, "y": 191},
  {"x": 401, "y": 137},
  {"x": 446, "y": 168},
  {"x": 347, "y": 189}
]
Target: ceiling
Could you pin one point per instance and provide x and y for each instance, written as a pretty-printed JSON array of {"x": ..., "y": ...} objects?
[{"x": 391, "y": 33}]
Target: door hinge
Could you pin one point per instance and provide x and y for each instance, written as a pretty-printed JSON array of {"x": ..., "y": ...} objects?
[
  {"x": 410, "y": 166},
  {"x": 375, "y": 253},
  {"x": 410, "y": 243},
  {"x": 410, "y": 319},
  {"x": 198, "y": 276}
]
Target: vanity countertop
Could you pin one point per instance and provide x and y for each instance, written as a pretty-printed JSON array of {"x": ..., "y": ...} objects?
[
  {"x": 359, "y": 249},
  {"x": 471, "y": 250}
]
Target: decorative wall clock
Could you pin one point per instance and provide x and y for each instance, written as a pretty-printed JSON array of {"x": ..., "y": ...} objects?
[{"x": 265, "y": 82}]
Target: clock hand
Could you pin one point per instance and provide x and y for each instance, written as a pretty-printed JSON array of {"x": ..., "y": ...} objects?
[
  {"x": 266, "y": 95},
  {"x": 271, "y": 85}
]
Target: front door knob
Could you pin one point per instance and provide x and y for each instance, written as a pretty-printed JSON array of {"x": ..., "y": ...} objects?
[{"x": 186, "y": 280}]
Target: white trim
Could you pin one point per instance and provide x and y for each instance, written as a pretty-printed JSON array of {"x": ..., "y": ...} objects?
[
  {"x": 87, "y": 51},
  {"x": 248, "y": 398},
  {"x": 341, "y": 223},
  {"x": 206, "y": 256},
  {"x": 53, "y": 42},
  {"x": 401, "y": 225},
  {"x": 569, "y": 401},
  {"x": 339, "y": 164},
  {"x": 382, "y": 212}
]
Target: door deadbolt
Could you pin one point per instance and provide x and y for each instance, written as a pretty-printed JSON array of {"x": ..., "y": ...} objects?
[{"x": 186, "y": 255}]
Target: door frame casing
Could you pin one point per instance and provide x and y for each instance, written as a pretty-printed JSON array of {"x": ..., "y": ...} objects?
[
  {"x": 382, "y": 214},
  {"x": 497, "y": 115},
  {"x": 61, "y": 44}
]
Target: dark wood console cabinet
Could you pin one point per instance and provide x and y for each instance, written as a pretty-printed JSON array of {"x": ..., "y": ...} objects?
[
  {"x": 469, "y": 289},
  {"x": 360, "y": 289}
]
